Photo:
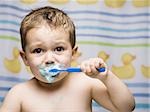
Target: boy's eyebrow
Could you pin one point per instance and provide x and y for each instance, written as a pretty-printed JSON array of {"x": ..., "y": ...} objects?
[
  {"x": 37, "y": 43},
  {"x": 42, "y": 43},
  {"x": 34, "y": 45},
  {"x": 60, "y": 42},
  {"x": 57, "y": 41}
]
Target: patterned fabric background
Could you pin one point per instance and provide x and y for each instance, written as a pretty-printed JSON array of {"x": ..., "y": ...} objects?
[{"x": 116, "y": 30}]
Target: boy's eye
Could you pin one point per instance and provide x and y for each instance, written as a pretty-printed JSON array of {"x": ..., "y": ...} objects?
[
  {"x": 37, "y": 50},
  {"x": 59, "y": 49}
]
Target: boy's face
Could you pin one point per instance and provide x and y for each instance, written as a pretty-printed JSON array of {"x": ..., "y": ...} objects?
[{"x": 46, "y": 46}]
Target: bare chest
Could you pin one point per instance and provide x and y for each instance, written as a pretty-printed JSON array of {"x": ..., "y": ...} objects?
[
  {"x": 73, "y": 96},
  {"x": 75, "y": 101}
]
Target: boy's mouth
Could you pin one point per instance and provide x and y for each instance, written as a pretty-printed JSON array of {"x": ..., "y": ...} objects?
[
  {"x": 55, "y": 75},
  {"x": 45, "y": 72}
]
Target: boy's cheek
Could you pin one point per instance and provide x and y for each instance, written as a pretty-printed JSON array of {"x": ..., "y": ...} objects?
[
  {"x": 66, "y": 60},
  {"x": 33, "y": 62}
]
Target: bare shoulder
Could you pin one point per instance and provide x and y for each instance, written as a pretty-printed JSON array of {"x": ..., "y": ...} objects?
[
  {"x": 19, "y": 88},
  {"x": 12, "y": 100}
]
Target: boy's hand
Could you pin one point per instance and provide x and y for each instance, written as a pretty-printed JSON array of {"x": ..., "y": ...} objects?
[{"x": 90, "y": 67}]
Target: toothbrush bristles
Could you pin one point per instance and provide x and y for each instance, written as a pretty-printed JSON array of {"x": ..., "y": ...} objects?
[{"x": 53, "y": 70}]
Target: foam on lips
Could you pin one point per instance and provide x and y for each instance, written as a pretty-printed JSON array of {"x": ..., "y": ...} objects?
[{"x": 49, "y": 76}]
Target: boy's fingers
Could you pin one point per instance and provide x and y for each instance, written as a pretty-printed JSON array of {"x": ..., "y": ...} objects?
[
  {"x": 83, "y": 67},
  {"x": 90, "y": 66}
]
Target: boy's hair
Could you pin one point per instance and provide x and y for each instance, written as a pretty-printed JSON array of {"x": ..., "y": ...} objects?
[{"x": 54, "y": 17}]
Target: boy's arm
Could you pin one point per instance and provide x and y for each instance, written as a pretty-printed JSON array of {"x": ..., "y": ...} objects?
[
  {"x": 108, "y": 90},
  {"x": 114, "y": 95},
  {"x": 11, "y": 102}
]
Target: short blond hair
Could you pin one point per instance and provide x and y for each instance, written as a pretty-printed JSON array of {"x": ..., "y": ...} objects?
[{"x": 53, "y": 17}]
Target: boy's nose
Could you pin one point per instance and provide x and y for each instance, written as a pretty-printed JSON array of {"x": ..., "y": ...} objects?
[
  {"x": 49, "y": 58},
  {"x": 49, "y": 62}
]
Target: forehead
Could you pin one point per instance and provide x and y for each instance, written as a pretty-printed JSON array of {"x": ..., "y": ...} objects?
[{"x": 45, "y": 33}]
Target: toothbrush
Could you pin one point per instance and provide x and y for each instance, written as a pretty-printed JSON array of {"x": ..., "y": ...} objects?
[{"x": 73, "y": 69}]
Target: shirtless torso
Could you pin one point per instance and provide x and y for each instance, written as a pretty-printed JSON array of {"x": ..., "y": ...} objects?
[{"x": 71, "y": 95}]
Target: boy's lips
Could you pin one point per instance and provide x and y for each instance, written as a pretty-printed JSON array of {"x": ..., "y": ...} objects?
[
  {"x": 55, "y": 75},
  {"x": 49, "y": 76}
]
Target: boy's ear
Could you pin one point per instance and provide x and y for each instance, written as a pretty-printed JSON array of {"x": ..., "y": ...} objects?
[
  {"x": 74, "y": 53},
  {"x": 23, "y": 56},
  {"x": 75, "y": 49}
]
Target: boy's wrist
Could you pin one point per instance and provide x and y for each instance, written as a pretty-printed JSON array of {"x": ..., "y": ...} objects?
[{"x": 102, "y": 77}]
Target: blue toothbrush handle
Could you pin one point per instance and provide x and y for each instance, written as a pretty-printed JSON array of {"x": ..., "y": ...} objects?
[{"x": 71, "y": 69}]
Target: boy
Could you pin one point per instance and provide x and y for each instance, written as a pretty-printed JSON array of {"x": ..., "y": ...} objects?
[{"x": 48, "y": 38}]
